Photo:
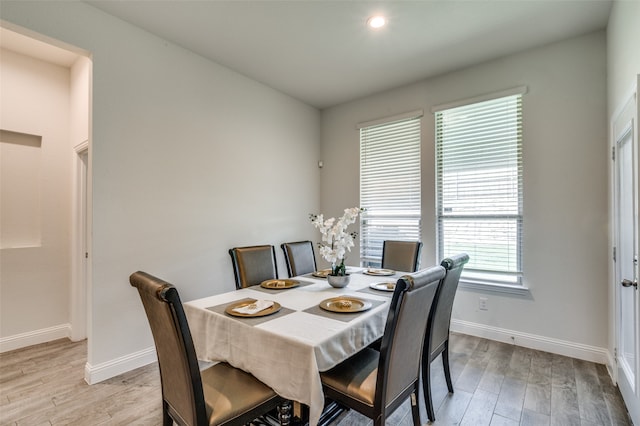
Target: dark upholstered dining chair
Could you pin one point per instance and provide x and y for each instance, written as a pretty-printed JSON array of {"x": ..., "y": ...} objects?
[
  {"x": 437, "y": 335},
  {"x": 376, "y": 383},
  {"x": 253, "y": 264},
  {"x": 401, "y": 256},
  {"x": 218, "y": 395},
  {"x": 299, "y": 257}
]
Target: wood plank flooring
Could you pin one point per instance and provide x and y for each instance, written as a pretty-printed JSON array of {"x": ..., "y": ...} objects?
[{"x": 495, "y": 384}]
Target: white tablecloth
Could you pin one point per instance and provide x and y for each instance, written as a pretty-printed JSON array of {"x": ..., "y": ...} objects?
[{"x": 288, "y": 350}]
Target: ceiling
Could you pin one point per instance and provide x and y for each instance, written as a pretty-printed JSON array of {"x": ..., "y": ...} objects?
[{"x": 322, "y": 53}]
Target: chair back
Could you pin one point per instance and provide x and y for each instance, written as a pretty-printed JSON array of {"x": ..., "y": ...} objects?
[
  {"x": 299, "y": 257},
  {"x": 254, "y": 264},
  {"x": 179, "y": 373},
  {"x": 401, "y": 345},
  {"x": 440, "y": 317},
  {"x": 401, "y": 255}
]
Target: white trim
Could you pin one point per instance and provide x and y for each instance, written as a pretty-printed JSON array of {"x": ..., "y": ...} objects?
[
  {"x": 109, "y": 369},
  {"x": 81, "y": 147},
  {"x": 404, "y": 116},
  {"x": 123, "y": 364},
  {"x": 611, "y": 367},
  {"x": 520, "y": 90},
  {"x": 532, "y": 341},
  {"x": 35, "y": 337},
  {"x": 631, "y": 93},
  {"x": 78, "y": 295}
]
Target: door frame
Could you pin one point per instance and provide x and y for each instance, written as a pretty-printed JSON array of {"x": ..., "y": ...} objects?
[
  {"x": 79, "y": 244},
  {"x": 616, "y": 134}
]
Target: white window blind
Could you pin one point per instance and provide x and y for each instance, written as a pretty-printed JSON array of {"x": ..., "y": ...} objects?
[
  {"x": 389, "y": 185},
  {"x": 479, "y": 188}
]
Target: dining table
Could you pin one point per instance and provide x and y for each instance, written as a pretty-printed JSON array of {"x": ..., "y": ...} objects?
[{"x": 307, "y": 328}]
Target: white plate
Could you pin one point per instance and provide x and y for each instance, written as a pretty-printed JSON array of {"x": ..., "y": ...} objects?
[
  {"x": 386, "y": 286},
  {"x": 379, "y": 272}
]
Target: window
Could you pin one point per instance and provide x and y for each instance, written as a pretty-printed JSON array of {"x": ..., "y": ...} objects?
[
  {"x": 389, "y": 184},
  {"x": 479, "y": 187}
]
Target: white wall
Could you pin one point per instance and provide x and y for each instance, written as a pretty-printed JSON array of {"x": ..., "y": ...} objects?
[
  {"x": 188, "y": 160},
  {"x": 565, "y": 187},
  {"x": 34, "y": 283}
]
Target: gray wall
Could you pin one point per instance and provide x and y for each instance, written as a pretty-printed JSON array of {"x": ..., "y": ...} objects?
[
  {"x": 187, "y": 160},
  {"x": 565, "y": 186}
]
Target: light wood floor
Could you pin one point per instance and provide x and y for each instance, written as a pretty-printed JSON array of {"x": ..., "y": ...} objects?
[{"x": 495, "y": 384}]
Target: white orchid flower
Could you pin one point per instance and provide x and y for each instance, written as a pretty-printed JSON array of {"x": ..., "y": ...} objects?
[{"x": 336, "y": 241}]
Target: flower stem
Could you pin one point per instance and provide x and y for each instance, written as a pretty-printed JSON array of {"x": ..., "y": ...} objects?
[{"x": 340, "y": 270}]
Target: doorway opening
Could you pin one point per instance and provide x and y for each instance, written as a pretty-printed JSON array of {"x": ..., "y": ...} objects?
[{"x": 57, "y": 78}]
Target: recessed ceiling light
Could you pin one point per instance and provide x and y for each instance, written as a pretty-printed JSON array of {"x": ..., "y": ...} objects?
[{"x": 377, "y": 21}]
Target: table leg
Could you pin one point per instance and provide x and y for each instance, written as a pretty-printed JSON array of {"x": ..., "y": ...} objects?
[
  {"x": 284, "y": 413},
  {"x": 331, "y": 412}
]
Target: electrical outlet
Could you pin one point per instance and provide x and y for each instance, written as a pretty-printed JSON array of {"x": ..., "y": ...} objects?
[{"x": 482, "y": 304}]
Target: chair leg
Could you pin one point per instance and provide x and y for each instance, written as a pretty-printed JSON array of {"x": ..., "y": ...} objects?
[
  {"x": 426, "y": 387},
  {"x": 445, "y": 364},
  {"x": 380, "y": 420},
  {"x": 415, "y": 407},
  {"x": 166, "y": 418}
]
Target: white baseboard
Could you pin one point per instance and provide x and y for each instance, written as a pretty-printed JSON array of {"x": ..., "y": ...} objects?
[
  {"x": 541, "y": 343},
  {"x": 94, "y": 374},
  {"x": 612, "y": 367},
  {"x": 106, "y": 370},
  {"x": 35, "y": 337},
  {"x": 100, "y": 372}
]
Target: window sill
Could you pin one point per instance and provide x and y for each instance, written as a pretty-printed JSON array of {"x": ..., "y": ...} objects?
[{"x": 516, "y": 290}]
